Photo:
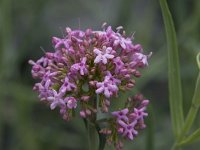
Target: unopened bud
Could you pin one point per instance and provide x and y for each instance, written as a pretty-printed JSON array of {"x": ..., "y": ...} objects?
[
  {"x": 49, "y": 55},
  {"x": 137, "y": 47},
  {"x": 82, "y": 114},
  {"x": 85, "y": 98},
  {"x": 137, "y": 74},
  {"x": 120, "y": 130},
  {"x": 145, "y": 102},
  {"x": 130, "y": 85},
  {"x": 88, "y": 112},
  {"x": 107, "y": 102}
]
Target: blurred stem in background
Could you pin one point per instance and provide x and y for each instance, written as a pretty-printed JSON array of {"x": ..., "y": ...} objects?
[
  {"x": 12, "y": 92},
  {"x": 5, "y": 36},
  {"x": 150, "y": 143},
  {"x": 125, "y": 13},
  {"x": 8, "y": 54}
]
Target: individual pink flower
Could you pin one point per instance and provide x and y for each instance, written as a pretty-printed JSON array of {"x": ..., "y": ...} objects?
[
  {"x": 71, "y": 102},
  {"x": 107, "y": 87},
  {"x": 56, "y": 100},
  {"x": 121, "y": 115},
  {"x": 139, "y": 58},
  {"x": 67, "y": 86},
  {"x": 81, "y": 67},
  {"x": 119, "y": 64},
  {"x": 103, "y": 55},
  {"x": 44, "y": 91},
  {"x": 111, "y": 79},
  {"x": 124, "y": 43},
  {"x": 128, "y": 129},
  {"x": 140, "y": 113},
  {"x": 60, "y": 42}
]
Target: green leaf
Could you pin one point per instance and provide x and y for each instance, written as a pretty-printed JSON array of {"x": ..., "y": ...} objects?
[
  {"x": 193, "y": 110},
  {"x": 198, "y": 60},
  {"x": 191, "y": 114},
  {"x": 175, "y": 91},
  {"x": 192, "y": 138}
]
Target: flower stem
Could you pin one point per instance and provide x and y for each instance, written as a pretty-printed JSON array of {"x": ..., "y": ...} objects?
[
  {"x": 92, "y": 136},
  {"x": 175, "y": 147},
  {"x": 192, "y": 112},
  {"x": 91, "y": 128},
  {"x": 191, "y": 115}
]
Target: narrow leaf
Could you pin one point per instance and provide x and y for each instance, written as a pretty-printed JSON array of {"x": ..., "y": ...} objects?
[
  {"x": 198, "y": 60},
  {"x": 193, "y": 110},
  {"x": 175, "y": 91},
  {"x": 192, "y": 138}
]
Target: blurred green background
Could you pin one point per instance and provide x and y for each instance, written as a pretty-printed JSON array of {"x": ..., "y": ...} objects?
[{"x": 25, "y": 25}]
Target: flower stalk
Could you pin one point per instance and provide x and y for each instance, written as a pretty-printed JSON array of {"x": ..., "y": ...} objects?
[
  {"x": 92, "y": 136},
  {"x": 183, "y": 137}
]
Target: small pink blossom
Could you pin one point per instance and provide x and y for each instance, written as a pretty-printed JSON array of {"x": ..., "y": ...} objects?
[
  {"x": 128, "y": 129},
  {"x": 121, "y": 115},
  {"x": 124, "y": 43},
  {"x": 103, "y": 55},
  {"x": 139, "y": 58},
  {"x": 60, "y": 42},
  {"x": 56, "y": 100},
  {"x": 107, "y": 87},
  {"x": 81, "y": 67},
  {"x": 67, "y": 86},
  {"x": 71, "y": 102},
  {"x": 119, "y": 65}
]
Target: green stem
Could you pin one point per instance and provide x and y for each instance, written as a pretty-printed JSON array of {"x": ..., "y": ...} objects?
[
  {"x": 175, "y": 147},
  {"x": 192, "y": 138},
  {"x": 92, "y": 136},
  {"x": 192, "y": 112},
  {"x": 5, "y": 45},
  {"x": 150, "y": 143},
  {"x": 91, "y": 127},
  {"x": 198, "y": 60}
]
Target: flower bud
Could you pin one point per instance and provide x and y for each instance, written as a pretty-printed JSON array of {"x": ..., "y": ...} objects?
[{"x": 82, "y": 114}]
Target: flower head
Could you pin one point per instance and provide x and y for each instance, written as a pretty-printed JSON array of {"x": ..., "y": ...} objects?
[
  {"x": 90, "y": 64},
  {"x": 128, "y": 121}
]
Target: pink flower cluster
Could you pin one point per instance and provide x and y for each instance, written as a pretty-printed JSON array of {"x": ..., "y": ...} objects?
[
  {"x": 89, "y": 63},
  {"x": 125, "y": 123}
]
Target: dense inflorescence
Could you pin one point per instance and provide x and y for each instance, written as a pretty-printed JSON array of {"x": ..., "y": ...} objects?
[{"x": 90, "y": 63}]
